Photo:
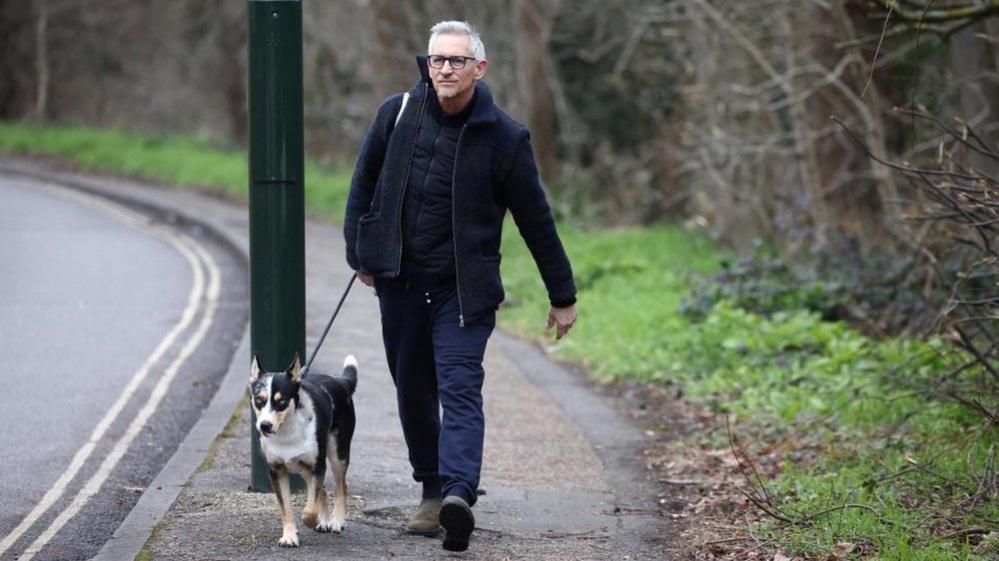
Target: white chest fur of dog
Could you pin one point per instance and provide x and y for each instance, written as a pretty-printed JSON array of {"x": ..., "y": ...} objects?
[{"x": 295, "y": 442}]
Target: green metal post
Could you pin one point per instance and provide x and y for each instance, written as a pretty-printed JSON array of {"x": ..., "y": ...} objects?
[{"x": 277, "y": 200}]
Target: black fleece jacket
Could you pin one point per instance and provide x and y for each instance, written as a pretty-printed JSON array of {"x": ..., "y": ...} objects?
[{"x": 494, "y": 170}]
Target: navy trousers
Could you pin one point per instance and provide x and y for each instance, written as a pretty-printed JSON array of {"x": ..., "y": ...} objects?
[{"x": 436, "y": 365}]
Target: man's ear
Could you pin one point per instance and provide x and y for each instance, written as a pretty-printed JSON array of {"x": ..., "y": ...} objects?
[
  {"x": 255, "y": 369},
  {"x": 481, "y": 67},
  {"x": 295, "y": 369}
]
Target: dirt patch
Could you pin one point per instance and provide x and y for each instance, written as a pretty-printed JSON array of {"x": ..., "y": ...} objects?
[{"x": 699, "y": 484}]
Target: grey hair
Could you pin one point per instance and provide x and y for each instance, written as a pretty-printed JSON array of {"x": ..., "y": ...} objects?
[{"x": 459, "y": 28}]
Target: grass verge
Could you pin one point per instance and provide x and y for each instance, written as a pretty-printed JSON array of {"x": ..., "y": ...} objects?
[
  {"x": 852, "y": 445},
  {"x": 179, "y": 160}
]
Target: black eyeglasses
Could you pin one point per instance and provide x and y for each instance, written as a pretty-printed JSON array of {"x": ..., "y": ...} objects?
[{"x": 456, "y": 62}]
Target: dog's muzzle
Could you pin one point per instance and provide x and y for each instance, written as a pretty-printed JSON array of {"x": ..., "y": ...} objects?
[{"x": 266, "y": 428}]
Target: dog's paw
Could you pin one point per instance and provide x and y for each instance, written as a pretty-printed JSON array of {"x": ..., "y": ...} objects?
[
  {"x": 330, "y": 525},
  {"x": 311, "y": 519},
  {"x": 288, "y": 540},
  {"x": 335, "y": 525}
]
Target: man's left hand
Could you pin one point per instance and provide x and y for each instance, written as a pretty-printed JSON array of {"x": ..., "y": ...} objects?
[{"x": 562, "y": 319}]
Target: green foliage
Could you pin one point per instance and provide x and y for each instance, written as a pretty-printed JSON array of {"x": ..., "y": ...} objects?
[
  {"x": 181, "y": 160},
  {"x": 766, "y": 286},
  {"x": 630, "y": 283},
  {"x": 884, "y": 292},
  {"x": 903, "y": 518},
  {"x": 858, "y": 419}
]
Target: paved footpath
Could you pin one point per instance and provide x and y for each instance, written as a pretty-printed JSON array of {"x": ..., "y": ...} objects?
[{"x": 561, "y": 470}]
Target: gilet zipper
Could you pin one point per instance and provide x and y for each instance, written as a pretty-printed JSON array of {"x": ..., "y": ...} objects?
[
  {"x": 405, "y": 181},
  {"x": 454, "y": 227}
]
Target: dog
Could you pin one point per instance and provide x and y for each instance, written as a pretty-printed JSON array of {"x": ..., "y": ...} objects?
[{"x": 305, "y": 423}]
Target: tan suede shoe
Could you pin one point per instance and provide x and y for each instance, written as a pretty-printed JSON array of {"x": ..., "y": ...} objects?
[{"x": 425, "y": 521}]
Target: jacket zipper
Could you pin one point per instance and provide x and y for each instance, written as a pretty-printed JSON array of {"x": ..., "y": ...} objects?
[
  {"x": 454, "y": 227},
  {"x": 405, "y": 181}
]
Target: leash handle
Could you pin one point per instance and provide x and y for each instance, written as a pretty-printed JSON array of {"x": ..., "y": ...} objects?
[{"x": 329, "y": 324}]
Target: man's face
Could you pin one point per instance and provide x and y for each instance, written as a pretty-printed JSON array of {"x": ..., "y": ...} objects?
[{"x": 448, "y": 82}]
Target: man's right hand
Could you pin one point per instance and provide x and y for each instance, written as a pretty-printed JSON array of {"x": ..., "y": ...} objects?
[{"x": 366, "y": 279}]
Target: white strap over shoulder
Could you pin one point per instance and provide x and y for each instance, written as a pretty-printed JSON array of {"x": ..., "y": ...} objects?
[{"x": 405, "y": 99}]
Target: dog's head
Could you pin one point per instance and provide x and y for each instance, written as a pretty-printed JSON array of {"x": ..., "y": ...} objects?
[{"x": 274, "y": 395}]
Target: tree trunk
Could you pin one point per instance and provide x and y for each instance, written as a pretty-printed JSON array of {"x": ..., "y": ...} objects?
[
  {"x": 533, "y": 18},
  {"x": 972, "y": 103},
  {"x": 231, "y": 43},
  {"x": 868, "y": 203},
  {"x": 395, "y": 46},
  {"x": 42, "y": 60}
]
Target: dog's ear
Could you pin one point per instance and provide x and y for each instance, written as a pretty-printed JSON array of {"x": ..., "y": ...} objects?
[
  {"x": 295, "y": 369},
  {"x": 255, "y": 369}
]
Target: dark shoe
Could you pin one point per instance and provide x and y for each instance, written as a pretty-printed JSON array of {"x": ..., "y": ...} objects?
[
  {"x": 458, "y": 522},
  {"x": 425, "y": 520}
]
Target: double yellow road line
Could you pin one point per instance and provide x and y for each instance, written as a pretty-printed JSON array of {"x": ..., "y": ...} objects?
[{"x": 202, "y": 301}]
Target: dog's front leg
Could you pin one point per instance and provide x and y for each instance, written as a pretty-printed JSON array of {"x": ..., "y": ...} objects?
[{"x": 282, "y": 490}]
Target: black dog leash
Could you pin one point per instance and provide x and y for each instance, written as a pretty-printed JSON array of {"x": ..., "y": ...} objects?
[{"x": 328, "y": 325}]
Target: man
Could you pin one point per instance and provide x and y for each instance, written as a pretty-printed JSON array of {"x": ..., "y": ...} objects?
[{"x": 434, "y": 177}]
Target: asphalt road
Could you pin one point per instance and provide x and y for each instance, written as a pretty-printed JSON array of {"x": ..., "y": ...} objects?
[{"x": 115, "y": 328}]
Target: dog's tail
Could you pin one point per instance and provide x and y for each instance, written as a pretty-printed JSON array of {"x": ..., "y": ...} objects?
[{"x": 349, "y": 375}]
